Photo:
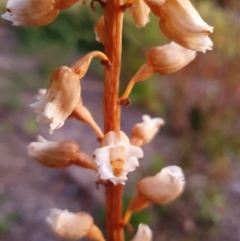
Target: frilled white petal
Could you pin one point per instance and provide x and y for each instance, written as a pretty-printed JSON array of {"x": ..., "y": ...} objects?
[{"x": 105, "y": 169}]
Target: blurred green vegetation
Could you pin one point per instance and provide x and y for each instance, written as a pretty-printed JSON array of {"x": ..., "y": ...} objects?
[{"x": 201, "y": 103}]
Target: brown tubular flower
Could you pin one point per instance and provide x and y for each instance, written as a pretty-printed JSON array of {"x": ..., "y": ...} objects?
[
  {"x": 35, "y": 12},
  {"x": 140, "y": 13},
  {"x": 59, "y": 154}
]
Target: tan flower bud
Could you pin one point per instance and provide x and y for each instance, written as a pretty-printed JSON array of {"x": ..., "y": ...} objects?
[
  {"x": 181, "y": 22},
  {"x": 144, "y": 132},
  {"x": 164, "y": 186},
  {"x": 169, "y": 58},
  {"x": 99, "y": 30},
  {"x": 144, "y": 233},
  {"x": 61, "y": 98},
  {"x": 73, "y": 225},
  {"x": 140, "y": 13},
  {"x": 54, "y": 154}
]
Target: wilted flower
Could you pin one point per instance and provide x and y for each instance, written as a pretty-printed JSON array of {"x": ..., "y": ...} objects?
[
  {"x": 140, "y": 13},
  {"x": 61, "y": 98},
  {"x": 181, "y": 22},
  {"x": 35, "y": 12},
  {"x": 164, "y": 186},
  {"x": 73, "y": 225},
  {"x": 145, "y": 131},
  {"x": 116, "y": 157},
  {"x": 59, "y": 154},
  {"x": 54, "y": 154},
  {"x": 144, "y": 233}
]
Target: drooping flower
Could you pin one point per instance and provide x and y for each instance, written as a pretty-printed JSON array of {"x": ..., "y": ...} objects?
[
  {"x": 116, "y": 157},
  {"x": 69, "y": 225},
  {"x": 35, "y": 12},
  {"x": 63, "y": 92},
  {"x": 60, "y": 99},
  {"x": 164, "y": 60},
  {"x": 144, "y": 233},
  {"x": 181, "y": 22},
  {"x": 145, "y": 131},
  {"x": 140, "y": 13},
  {"x": 169, "y": 58}
]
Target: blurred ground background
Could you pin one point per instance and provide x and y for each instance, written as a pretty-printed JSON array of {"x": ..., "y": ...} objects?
[{"x": 201, "y": 106}]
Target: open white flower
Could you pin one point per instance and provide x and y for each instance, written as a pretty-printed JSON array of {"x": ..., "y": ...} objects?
[
  {"x": 145, "y": 131},
  {"x": 116, "y": 157},
  {"x": 144, "y": 233},
  {"x": 60, "y": 99},
  {"x": 35, "y": 12}
]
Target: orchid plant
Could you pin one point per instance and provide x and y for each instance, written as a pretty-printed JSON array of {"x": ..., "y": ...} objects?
[{"x": 117, "y": 154}]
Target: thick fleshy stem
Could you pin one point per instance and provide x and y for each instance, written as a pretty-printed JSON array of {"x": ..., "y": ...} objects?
[{"x": 113, "y": 19}]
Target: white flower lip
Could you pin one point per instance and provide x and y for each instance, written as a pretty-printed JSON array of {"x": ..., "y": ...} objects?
[{"x": 105, "y": 169}]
